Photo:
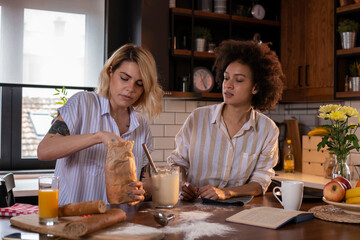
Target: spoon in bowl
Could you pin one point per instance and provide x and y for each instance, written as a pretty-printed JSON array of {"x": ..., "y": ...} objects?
[{"x": 162, "y": 219}]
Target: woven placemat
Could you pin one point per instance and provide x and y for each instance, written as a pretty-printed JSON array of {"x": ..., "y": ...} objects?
[{"x": 334, "y": 214}]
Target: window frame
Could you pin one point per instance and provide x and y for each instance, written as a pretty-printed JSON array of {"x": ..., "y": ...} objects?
[
  {"x": 119, "y": 29},
  {"x": 11, "y": 96},
  {"x": 12, "y": 35},
  {"x": 10, "y": 158}
]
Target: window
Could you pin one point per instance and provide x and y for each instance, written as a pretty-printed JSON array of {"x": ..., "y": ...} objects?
[
  {"x": 38, "y": 110},
  {"x": 44, "y": 44},
  {"x": 53, "y": 42}
]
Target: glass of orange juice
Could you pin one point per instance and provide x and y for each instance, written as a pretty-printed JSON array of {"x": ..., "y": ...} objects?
[{"x": 48, "y": 199}]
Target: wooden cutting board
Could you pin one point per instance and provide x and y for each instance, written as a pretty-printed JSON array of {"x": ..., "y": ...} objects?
[{"x": 30, "y": 222}]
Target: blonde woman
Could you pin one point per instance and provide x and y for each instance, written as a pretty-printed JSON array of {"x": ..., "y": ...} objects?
[{"x": 128, "y": 84}]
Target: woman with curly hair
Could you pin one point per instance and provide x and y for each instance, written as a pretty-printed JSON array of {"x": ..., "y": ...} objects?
[
  {"x": 229, "y": 149},
  {"x": 89, "y": 120}
]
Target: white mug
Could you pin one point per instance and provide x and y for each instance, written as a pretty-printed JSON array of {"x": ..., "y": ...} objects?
[{"x": 291, "y": 194}]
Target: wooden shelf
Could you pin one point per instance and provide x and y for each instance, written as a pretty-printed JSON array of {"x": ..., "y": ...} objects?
[
  {"x": 204, "y": 55},
  {"x": 348, "y": 8},
  {"x": 215, "y": 96},
  {"x": 213, "y": 15},
  {"x": 348, "y": 94},
  {"x": 344, "y": 56},
  {"x": 181, "y": 11},
  {"x": 344, "y": 52},
  {"x": 223, "y": 26},
  {"x": 182, "y": 52},
  {"x": 226, "y": 17},
  {"x": 187, "y": 53},
  {"x": 193, "y": 95},
  {"x": 265, "y": 22},
  {"x": 182, "y": 95}
]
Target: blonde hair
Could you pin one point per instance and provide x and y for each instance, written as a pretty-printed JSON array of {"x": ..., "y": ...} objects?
[{"x": 150, "y": 101}]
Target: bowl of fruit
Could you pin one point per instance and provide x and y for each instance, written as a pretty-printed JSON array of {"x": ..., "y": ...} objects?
[{"x": 338, "y": 192}]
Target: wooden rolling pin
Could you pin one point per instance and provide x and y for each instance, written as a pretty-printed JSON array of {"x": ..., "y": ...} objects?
[
  {"x": 82, "y": 208},
  {"x": 94, "y": 223}
]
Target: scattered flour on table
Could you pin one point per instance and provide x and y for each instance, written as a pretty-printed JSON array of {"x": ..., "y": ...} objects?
[
  {"x": 191, "y": 230},
  {"x": 194, "y": 230},
  {"x": 194, "y": 216},
  {"x": 193, "y": 226},
  {"x": 212, "y": 207},
  {"x": 135, "y": 229}
]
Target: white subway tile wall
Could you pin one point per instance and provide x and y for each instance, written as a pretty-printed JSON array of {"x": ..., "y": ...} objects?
[
  {"x": 157, "y": 130},
  {"x": 174, "y": 106},
  {"x": 181, "y": 117},
  {"x": 172, "y": 130},
  {"x": 168, "y": 125},
  {"x": 175, "y": 113},
  {"x": 164, "y": 143},
  {"x": 165, "y": 118}
]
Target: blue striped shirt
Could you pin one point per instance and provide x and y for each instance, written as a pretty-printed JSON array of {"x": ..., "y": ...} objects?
[{"x": 82, "y": 175}]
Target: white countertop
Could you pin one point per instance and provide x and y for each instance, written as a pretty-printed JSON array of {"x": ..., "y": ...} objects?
[
  {"x": 28, "y": 186},
  {"x": 310, "y": 181}
]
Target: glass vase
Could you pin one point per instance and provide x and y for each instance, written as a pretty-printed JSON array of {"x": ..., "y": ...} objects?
[{"x": 341, "y": 168}]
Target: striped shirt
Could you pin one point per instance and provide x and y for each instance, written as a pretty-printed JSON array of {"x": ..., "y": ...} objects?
[
  {"x": 82, "y": 176},
  {"x": 211, "y": 157}
]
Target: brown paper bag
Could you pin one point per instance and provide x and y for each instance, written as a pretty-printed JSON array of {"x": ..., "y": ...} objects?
[{"x": 120, "y": 170}]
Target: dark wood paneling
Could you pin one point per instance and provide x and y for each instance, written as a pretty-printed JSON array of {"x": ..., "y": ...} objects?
[
  {"x": 142, "y": 22},
  {"x": 154, "y": 35}
]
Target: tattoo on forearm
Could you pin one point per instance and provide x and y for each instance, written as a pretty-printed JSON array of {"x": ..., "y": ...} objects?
[{"x": 59, "y": 127}]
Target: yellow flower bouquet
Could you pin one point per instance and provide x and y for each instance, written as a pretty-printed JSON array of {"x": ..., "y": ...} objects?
[{"x": 341, "y": 138}]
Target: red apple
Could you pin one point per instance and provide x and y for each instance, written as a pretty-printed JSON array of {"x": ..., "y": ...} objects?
[
  {"x": 344, "y": 181},
  {"x": 334, "y": 191}
]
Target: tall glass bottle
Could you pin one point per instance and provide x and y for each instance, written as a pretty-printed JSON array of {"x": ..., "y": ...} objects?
[{"x": 289, "y": 160}]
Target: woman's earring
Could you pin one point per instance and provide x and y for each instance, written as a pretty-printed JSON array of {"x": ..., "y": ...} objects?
[{"x": 255, "y": 90}]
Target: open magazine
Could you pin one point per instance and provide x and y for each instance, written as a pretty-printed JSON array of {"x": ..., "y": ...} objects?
[{"x": 269, "y": 217}]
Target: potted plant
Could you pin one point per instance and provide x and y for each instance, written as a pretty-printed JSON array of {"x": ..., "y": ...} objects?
[
  {"x": 354, "y": 79},
  {"x": 348, "y": 30},
  {"x": 202, "y": 35}
]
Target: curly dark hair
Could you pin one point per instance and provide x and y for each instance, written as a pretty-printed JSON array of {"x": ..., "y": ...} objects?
[{"x": 264, "y": 64}]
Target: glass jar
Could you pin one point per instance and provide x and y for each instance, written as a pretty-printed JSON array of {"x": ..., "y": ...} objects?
[
  {"x": 341, "y": 168},
  {"x": 165, "y": 186},
  {"x": 328, "y": 166}
]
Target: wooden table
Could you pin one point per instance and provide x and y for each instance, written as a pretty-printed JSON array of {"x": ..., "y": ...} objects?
[{"x": 313, "y": 229}]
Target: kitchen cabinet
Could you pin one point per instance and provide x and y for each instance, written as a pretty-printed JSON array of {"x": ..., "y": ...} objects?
[
  {"x": 183, "y": 58},
  {"x": 344, "y": 57},
  {"x": 307, "y": 50}
]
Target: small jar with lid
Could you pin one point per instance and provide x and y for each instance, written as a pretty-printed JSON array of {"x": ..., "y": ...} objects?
[{"x": 185, "y": 84}]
